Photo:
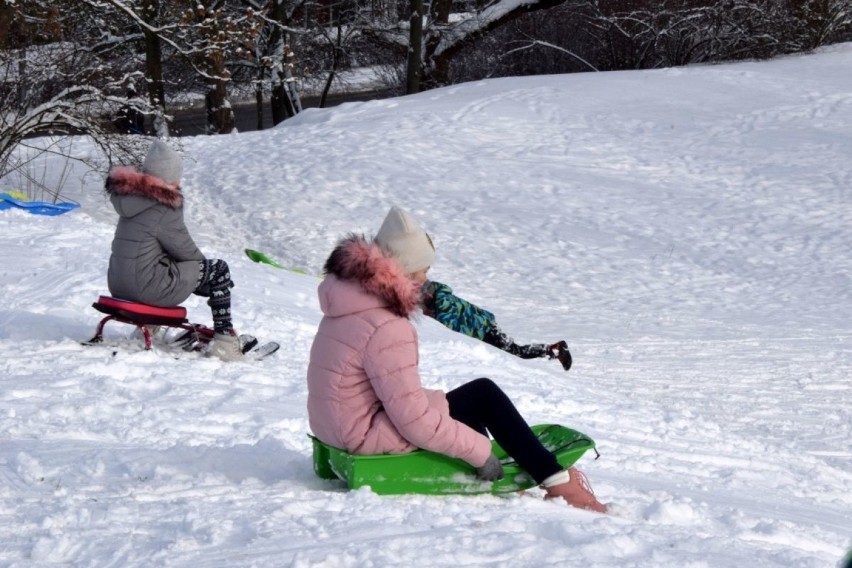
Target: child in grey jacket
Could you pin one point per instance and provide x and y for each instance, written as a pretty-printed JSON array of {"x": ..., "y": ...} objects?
[{"x": 154, "y": 259}]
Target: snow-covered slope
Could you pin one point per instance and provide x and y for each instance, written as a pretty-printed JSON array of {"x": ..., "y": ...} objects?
[{"x": 687, "y": 231}]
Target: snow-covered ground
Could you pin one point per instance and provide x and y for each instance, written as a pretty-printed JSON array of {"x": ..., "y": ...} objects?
[{"x": 687, "y": 231}]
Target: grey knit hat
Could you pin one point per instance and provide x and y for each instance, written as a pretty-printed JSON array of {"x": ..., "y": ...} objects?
[
  {"x": 163, "y": 162},
  {"x": 403, "y": 237}
]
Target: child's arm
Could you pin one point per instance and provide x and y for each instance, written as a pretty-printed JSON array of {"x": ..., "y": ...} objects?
[{"x": 454, "y": 312}]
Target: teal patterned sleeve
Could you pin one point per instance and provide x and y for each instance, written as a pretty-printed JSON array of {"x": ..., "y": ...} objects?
[{"x": 456, "y": 313}]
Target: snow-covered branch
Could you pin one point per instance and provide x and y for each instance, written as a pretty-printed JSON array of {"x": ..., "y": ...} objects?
[{"x": 536, "y": 43}]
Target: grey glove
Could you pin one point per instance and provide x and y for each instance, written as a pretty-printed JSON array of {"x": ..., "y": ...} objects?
[{"x": 491, "y": 471}]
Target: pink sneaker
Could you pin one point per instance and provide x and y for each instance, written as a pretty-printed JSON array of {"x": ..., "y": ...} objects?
[{"x": 577, "y": 492}]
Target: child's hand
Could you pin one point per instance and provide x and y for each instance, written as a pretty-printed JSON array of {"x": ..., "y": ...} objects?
[{"x": 492, "y": 470}]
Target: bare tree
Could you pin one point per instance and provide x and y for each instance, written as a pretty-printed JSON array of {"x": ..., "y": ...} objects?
[
  {"x": 643, "y": 34},
  {"x": 819, "y": 22},
  {"x": 210, "y": 36},
  {"x": 207, "y": 37},
  {"x": 53, "y": 80},
  {"x": 141, "y": 27},
  {"x": 431, "y": 41},
  {"x": 275, "y": 57}
]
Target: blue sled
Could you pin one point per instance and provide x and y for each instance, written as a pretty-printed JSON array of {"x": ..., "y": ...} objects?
[{"x": 36, "y": 207}]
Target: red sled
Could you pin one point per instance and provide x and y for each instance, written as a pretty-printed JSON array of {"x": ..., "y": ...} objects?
[{"x": 144, "y": 315}]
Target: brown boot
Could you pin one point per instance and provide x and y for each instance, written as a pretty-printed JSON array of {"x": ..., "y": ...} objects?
[
  {"x": 577, "y": 492},
  {"x": 559, "y": 350}
]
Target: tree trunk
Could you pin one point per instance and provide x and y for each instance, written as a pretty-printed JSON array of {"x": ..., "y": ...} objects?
[
  {"x": 336, "y": 51},
  {"x": 154, "y": 68},
  {"x": 290, "y": 81},
  {"x": 415, "y": 48},
  {"x": 282, "y": 107},
  {"x": 439, "y": 75},
  {"x": 284, "y": 100},
  {"x": 441, "y": 11},
  {"x": 220, "y": 115},
  {"x": 258, "y": 101},
  {"x": 23, "y": 95}
]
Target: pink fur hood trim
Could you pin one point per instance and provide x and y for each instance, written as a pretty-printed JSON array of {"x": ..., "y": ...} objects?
[
  {"x": 128, "y": 181},
  {"x": 371, "y": 279}
]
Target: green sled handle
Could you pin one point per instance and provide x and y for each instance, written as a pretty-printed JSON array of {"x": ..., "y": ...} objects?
[{"x": 262, "y": 258}]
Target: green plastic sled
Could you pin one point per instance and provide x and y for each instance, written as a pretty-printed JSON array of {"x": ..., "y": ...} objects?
[{"x": 430, "y": 473}]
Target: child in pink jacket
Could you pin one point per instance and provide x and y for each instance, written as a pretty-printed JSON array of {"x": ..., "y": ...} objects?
[{"x": 364, "y": 389}]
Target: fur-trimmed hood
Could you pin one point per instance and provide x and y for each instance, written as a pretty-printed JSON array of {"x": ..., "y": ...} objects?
[
  {"x": 154, "y": 259},
  {"x": 369, "y": 277},
  {"x": 127, "y": 181}
]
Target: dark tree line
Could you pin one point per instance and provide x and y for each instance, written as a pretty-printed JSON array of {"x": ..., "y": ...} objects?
[
  {"x": 75, "y": 65},
  {"x": 606, "y": 36}
]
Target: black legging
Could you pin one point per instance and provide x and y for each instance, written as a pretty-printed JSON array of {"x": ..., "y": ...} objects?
[{"x": 483, "y": 406}]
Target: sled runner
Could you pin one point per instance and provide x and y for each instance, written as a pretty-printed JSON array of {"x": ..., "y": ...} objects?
[
  {"x": 194, "y": 336},
  {"x": 431, "y": 473}
]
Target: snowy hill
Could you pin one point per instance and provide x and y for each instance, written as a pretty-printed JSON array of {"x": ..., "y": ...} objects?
[{"x": 687, "y": 231}]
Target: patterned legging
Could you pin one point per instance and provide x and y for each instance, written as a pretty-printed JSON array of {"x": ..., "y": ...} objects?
[{"x": 214, "y": 283}]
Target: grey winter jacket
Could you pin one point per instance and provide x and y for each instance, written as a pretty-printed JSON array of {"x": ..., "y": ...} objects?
[{"x": 154, "y": 259}]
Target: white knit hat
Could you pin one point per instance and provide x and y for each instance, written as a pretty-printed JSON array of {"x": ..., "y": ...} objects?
[
  {"x": 403, "y": 237},
  {"x": 163, "y": 162}
]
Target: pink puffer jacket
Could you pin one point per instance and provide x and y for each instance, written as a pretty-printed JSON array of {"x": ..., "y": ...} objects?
[{"x": 364, "y": 391}]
